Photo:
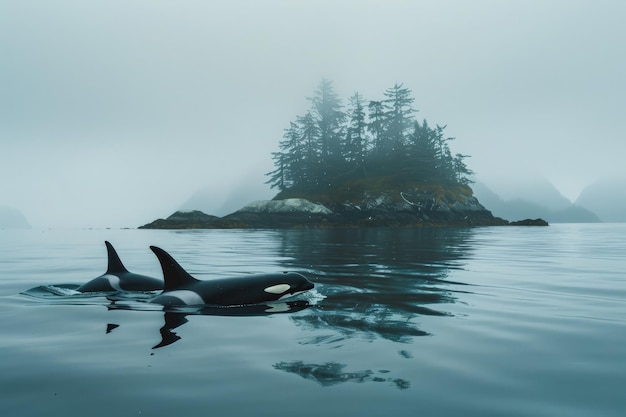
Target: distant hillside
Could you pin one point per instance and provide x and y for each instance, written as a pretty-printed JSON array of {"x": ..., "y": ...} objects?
[
  {"x": 12, "y": 219},
  {"x": 219, "y": 201},
  {"x": 607, "y": 198},
  {"x": 532, "y": 189},
  {"x": 546, "y": 202}
]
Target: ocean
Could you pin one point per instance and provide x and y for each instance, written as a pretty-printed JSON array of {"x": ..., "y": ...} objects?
[{"x": 487, "y": 321}]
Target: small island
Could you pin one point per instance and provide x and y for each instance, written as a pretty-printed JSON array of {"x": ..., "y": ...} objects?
[{"x": 370, "y": 165}]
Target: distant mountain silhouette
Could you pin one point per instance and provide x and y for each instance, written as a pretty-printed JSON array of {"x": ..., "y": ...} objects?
[
  {"x": 12, "y": 219},
  {"x": 607, "y": 198},
  {"x": 533, "y": 199},
  {"x": 532, "y": 189},
  {"x": 216, "y": 200}
]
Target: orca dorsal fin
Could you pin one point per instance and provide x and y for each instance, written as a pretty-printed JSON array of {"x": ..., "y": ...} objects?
[
  {"x": 173, "y": 274},
  {"x": 115, "y": 264}
]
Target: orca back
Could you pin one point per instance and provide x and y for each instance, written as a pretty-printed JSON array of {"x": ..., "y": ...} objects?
[{"x": 118, "y": 278}]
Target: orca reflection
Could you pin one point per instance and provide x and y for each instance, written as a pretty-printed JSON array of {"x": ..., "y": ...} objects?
[{"x": 174, "y": 320}]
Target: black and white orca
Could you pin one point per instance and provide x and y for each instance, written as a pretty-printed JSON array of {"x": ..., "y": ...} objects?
[
  {"x": 118, "y": 278},
  {"x": 181, "y": 289}
]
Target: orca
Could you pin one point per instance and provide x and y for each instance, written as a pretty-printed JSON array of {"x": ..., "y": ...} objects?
[
  {"x": 181, "y": 289},
  {"x": 118, "y": 278}
]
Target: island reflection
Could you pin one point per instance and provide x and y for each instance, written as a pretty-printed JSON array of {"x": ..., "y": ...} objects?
[
  {"x": 379, "y": 281},
  {"x": 332, "y": 373}
]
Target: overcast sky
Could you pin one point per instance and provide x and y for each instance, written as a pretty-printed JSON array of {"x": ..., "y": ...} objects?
[{"x": 112, "y": 113}]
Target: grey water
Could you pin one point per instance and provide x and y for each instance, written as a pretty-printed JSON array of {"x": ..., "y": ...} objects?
[{"x": 515, "y": 321}]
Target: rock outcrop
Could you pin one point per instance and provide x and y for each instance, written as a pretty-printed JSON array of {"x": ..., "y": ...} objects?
[
  {"x": 414, "y": 207},
  {"x": 417, "y": 207},
  {"x": 529, "y": 222},
  {"x": 290, "y": 212},
  {"x": 183, "y": 219}
]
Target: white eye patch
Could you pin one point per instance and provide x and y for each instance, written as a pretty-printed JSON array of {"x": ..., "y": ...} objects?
[{"x": 277, "y": 289}]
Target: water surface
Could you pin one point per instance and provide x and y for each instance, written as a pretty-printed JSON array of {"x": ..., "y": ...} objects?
[{"x": 514, "y": 321}]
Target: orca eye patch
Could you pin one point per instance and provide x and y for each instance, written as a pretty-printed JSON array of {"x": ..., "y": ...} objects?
[{"x": 277, "y": 289}]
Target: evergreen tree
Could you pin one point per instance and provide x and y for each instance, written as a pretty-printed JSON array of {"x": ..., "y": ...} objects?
[
  {"x": 309, "y": 170},
  {"x": 461, "y": 170},
  {"x": 288, "y": 161},
  {"x": 329, "y": 117},
  {"x": 376, "y": 125},
  {"x": 444, "y": 162},
  {"x": 397, "y": 116},
  {"x": 421, "y": 153},
  {"x": 355, "y": 148},
  {"x": 327, "y": 113},
  {"x": 277, "y": 177}
]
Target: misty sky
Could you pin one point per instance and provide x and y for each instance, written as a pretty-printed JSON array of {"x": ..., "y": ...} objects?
[{"x": 112, "y": 113}]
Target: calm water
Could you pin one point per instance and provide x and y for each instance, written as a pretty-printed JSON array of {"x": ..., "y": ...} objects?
[{"x": 434, "y": 322}]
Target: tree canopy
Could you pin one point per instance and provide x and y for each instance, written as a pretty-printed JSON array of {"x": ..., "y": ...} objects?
[{"x": 332, "y": 144}]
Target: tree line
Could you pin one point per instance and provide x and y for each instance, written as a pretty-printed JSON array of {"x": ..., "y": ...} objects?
[{"x": 330, "y": 144}]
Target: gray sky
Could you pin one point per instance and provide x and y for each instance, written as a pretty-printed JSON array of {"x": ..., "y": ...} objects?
[{"x": 112, "y": 113}]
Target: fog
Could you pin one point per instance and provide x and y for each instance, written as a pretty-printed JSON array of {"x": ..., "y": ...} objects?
[{"x": 113, "y": 113}]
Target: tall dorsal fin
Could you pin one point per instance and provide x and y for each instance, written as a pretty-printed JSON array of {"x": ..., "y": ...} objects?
[
  {"x": 115, "y": 264},
  {"x": 173, "y": 274}
]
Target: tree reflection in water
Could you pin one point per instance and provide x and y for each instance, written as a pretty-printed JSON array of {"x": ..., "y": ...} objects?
[
  {"x": 377, "y": 282},
  {"x": 332, "y": 373}
]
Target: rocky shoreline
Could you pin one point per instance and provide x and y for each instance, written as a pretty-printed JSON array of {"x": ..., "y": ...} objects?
[{"x": 383, "y": 209}]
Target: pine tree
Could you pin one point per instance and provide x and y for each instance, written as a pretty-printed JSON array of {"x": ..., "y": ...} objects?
[
  {"x": 288, "y": 161},
  {"x": 398, "y": 117},
  {"x": 421, "y": 153},
  {"x": 376, "y": 125},
  {"x": 461, "y": 170},
  {"x": 309, "y": 170},
  {"x": 277, "y": 177},
  {"x": 444, "y": 162},
  {"x": 356, "y": 146},
  {"x": 327, "y": 112}
]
